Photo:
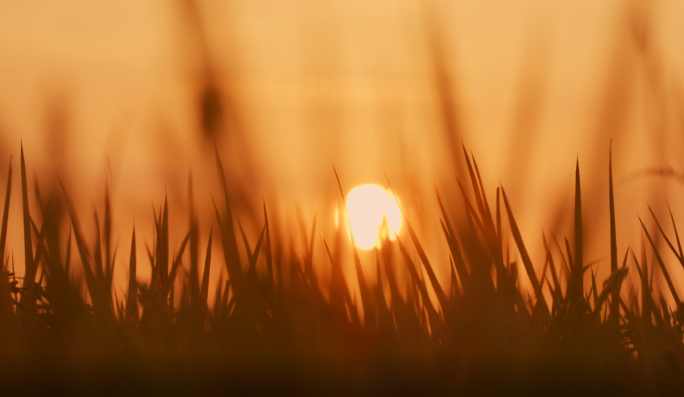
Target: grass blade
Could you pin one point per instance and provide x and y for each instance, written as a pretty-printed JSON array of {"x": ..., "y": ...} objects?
[
  {"x": 166, "y": 288},
  {"x": 615, "y": 306},
  {"x": 5, "y": 214},
  {"x": 662, "y": 265},
  {"x": 527, "y": 262},
  {"x": 30, "y": 271},
  {"x": 269, "y": 253},
  {"x": 132, "y": 296},
  {"x": 454, "y": 247},
  {"x": 228, "y": 235},
  {"x": 204, "y": 290},
  {"x": 667, "y": 240},
  {"x": 339, "y": 292},
  {"x": 576, "y": 283},
  {"x": 441, "y": 296},
  {"x": 194, "y": 280},
  {"x": 674, "y": 226},
  {"x": 363, "y": 287}
]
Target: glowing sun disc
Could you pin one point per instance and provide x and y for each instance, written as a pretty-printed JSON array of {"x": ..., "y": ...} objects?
[{"x": 374, "y": 214}]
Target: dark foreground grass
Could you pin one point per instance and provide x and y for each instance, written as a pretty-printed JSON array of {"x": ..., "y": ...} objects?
[{"x": 285, "y": 331}]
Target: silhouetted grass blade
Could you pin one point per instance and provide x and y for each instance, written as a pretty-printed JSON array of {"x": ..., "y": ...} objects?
[
  {"x": 576, "y": 283},
  {"x": 204, "y": 290},
  {"x": 30, "y": 271},
  {"x": 5, "y": 215},
  {"x": 666, "y": 274},
  {"x": 527, "y": 262},
  {"x": 132, "y": 294},
  {"x": 443, "y": 301},
  {"x": 614, "y": 307}
]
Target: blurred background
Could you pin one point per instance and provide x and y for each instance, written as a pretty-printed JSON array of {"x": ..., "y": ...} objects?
[{"x": 143, "y": 92}]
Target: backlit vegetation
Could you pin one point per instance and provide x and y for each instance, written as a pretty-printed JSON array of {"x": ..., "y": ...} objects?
[{"x": 282, "y": 327}]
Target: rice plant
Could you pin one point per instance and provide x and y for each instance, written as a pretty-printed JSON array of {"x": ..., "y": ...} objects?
[{"x": 63, "y": 327}]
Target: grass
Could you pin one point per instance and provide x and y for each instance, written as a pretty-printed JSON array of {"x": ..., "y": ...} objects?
[{"x": 286, "y": 329}]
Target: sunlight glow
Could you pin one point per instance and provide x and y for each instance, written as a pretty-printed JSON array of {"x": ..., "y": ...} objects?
[{"x": 374, "y": 214}]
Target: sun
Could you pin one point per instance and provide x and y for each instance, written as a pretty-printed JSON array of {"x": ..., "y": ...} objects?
[{"x": 374, "y": 215}]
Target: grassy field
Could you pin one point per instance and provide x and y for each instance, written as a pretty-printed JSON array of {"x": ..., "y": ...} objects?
[{"x": 280, "y": 327}]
